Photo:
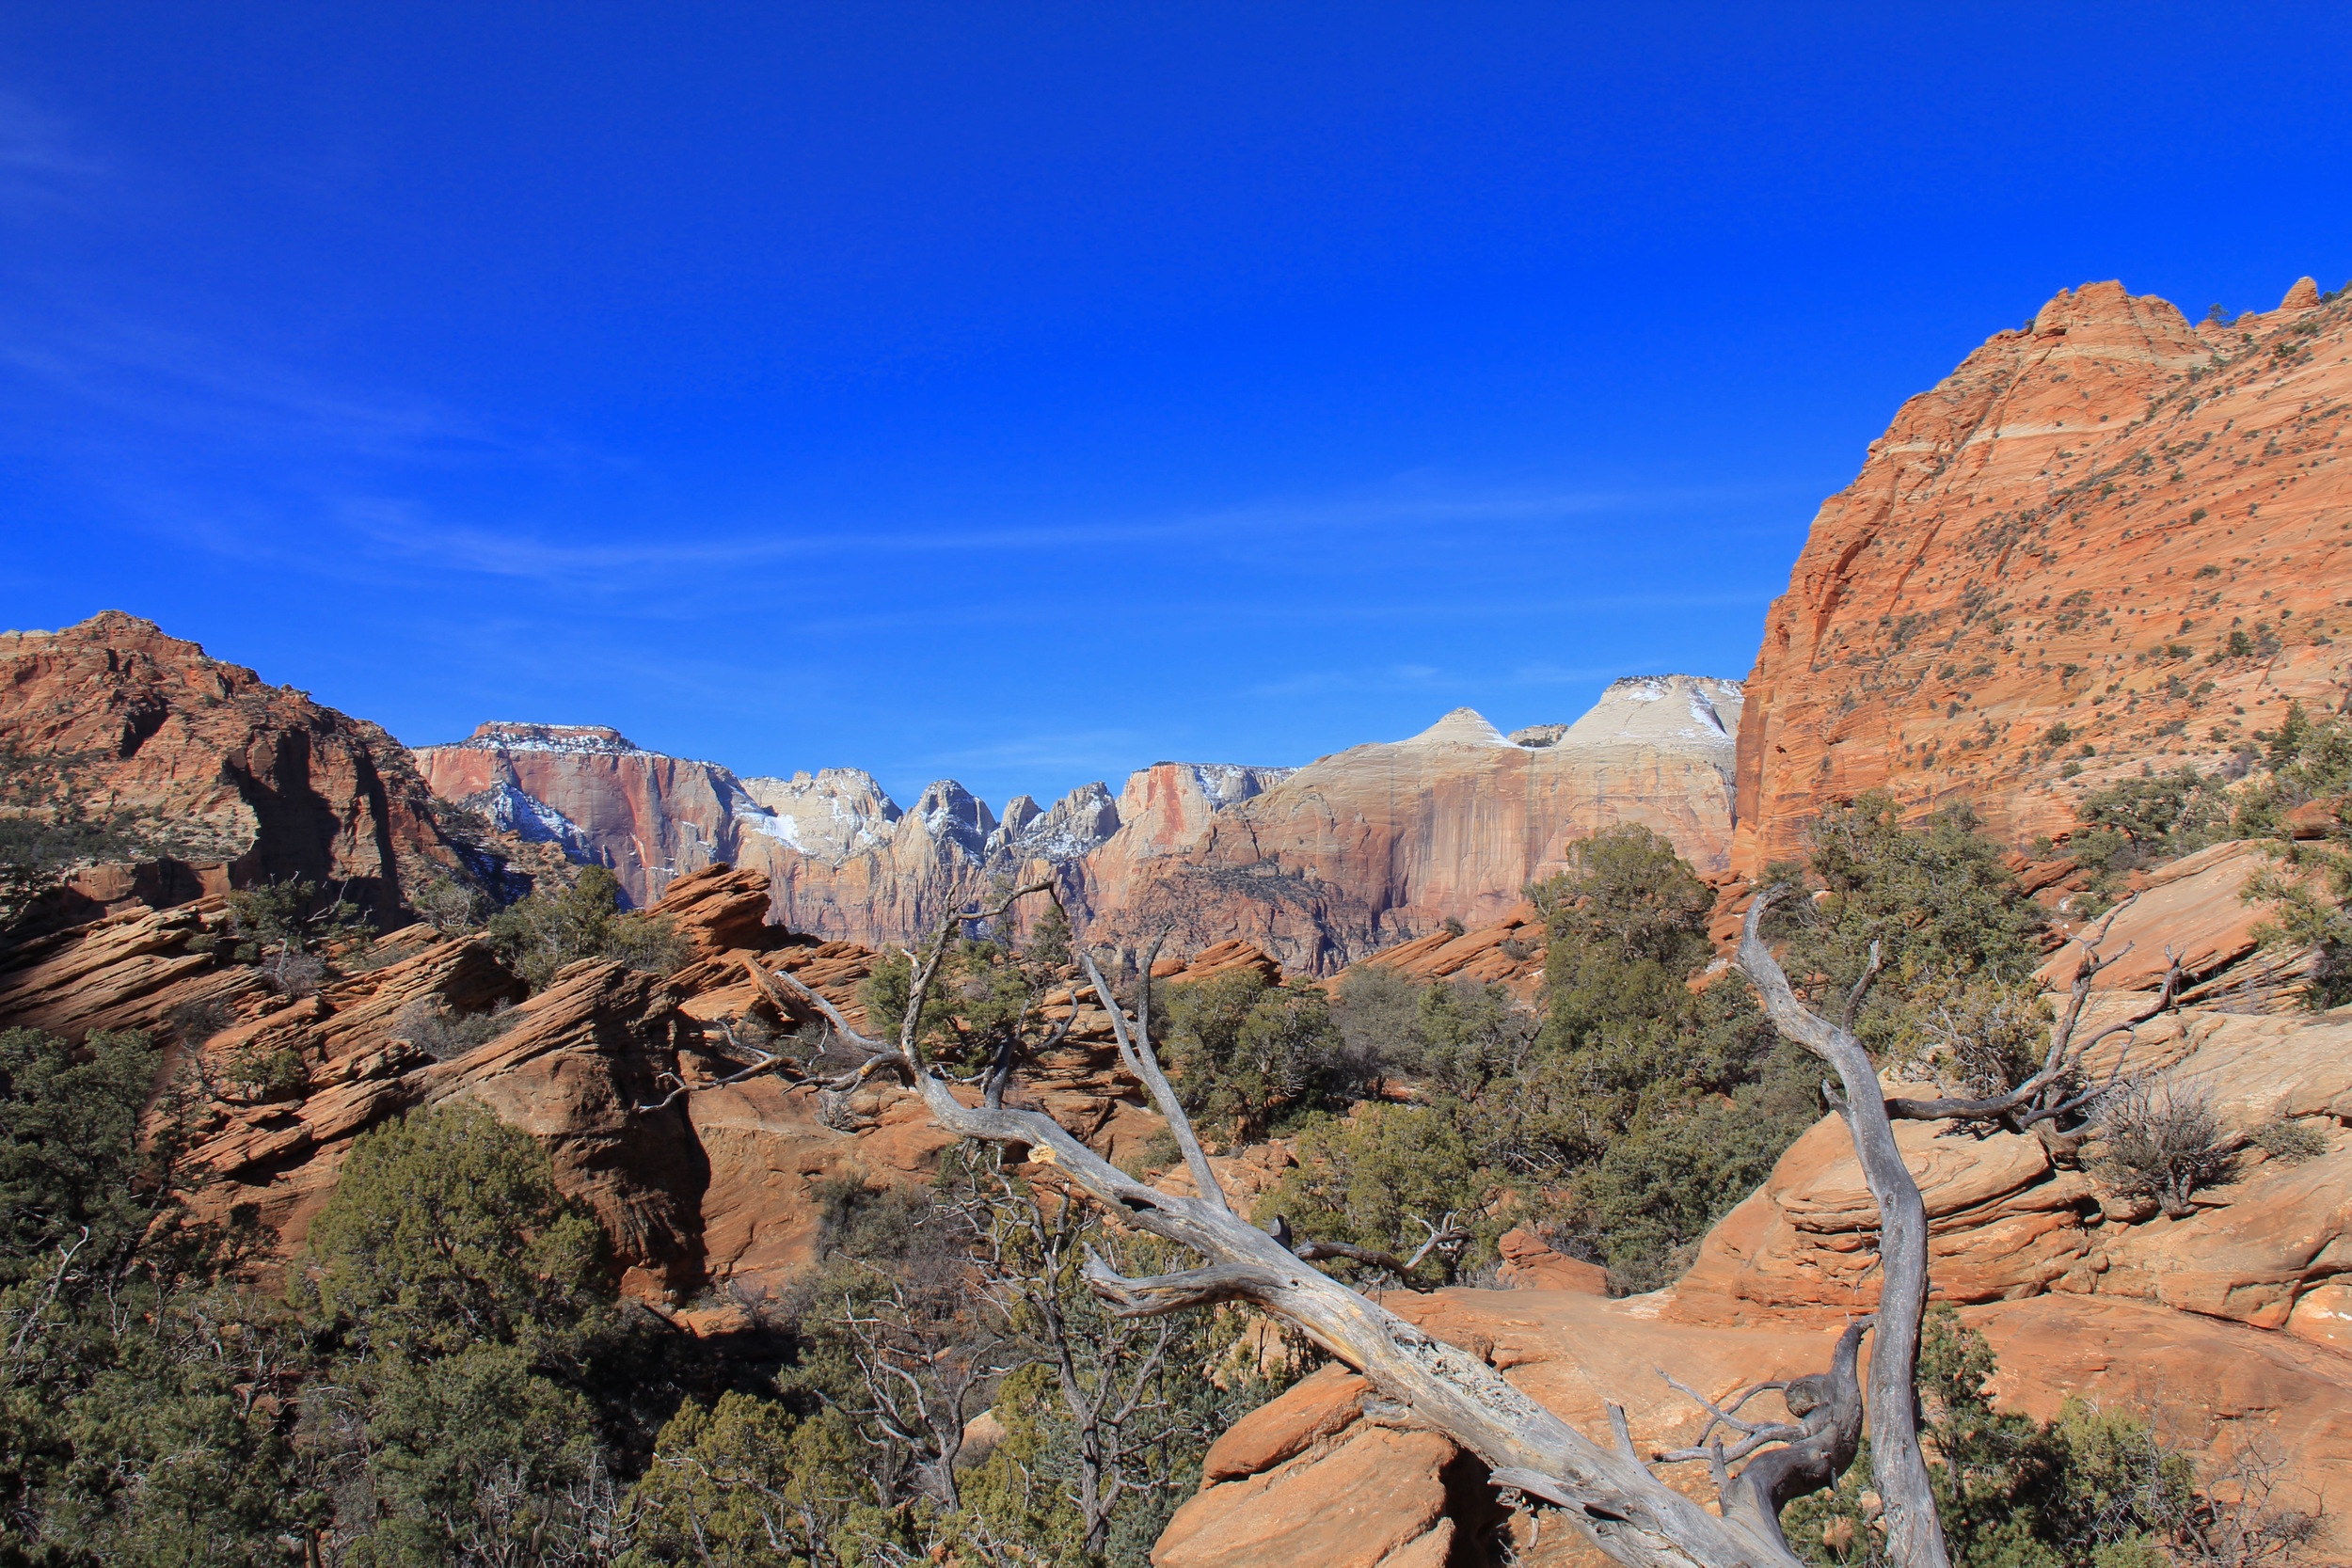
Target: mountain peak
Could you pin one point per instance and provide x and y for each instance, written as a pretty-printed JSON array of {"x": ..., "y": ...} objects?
[{"x": 1464, "y": 727}]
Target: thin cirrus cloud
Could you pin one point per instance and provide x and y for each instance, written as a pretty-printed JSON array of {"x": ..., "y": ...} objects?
[
  {"x": 572, "y": 562},
  {"x": 41, "y": 167}
]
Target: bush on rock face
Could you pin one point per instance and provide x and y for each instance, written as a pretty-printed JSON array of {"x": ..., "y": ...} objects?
[
  {"x": 1249, "y": 1058},
  {"x": 2162, "y": 1140},
  {"x": 543, "y": 934}
]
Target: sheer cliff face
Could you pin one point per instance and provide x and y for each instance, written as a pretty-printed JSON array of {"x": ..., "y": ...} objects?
[
  {"x": 843, "y": 860},
  {"x": 2108, "y": 539},
  {"x": 216, "y": 777},
  {"x": 1320, "y": 865},
  {"x": 1383, "y": 842}
]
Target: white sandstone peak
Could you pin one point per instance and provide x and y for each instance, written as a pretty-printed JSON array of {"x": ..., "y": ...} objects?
[{"x": 1464, "y": 727}]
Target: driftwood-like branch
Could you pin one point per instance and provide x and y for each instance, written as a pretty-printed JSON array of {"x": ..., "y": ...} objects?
[
  {"x": 815, "y": 999},
  {"x": 1829, "y": 1411},
  {"x": 679, "y": 1089},
  {"x": 2030, "y": 1102},
  {"x": 1146, "y": 1068},
  {"x": 1607, "y": 1491},
  {"x": 1861, "y": 989},
  {"x": 1915, "y": 1535},
  {"x": 1447, "y": 1234}
]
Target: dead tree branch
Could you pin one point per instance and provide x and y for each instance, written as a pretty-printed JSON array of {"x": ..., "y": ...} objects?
[
  {"x": 679, "y": 1089},
  {"x": 2054, "y": 1090},
  {"x": 1607, "y": 1491},
  {"x": 1915, "y": 1535}
]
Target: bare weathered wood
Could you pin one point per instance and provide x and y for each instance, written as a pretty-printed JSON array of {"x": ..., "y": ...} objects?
[
  {"x": 1146, "y": 1068},
  {"x": 1608, "y": 1493},
  {"x": 1615, "y": 1498},
  {"x": 679, "y": 1089},
  {"x": 1829, "y": 1411},
  {"x": 1915, "y": 1535},
  {"x": 2050, "y": 1092}
]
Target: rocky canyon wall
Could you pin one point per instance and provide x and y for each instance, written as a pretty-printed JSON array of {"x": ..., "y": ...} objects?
[
  {"x": 2110, "y": 537},
  {"x": 195, "y": 775},
  {"x": 1320, "y": 865},
  {"x": 1383, "y": 842}
]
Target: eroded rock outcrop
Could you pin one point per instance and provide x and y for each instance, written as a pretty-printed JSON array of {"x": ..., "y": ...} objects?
[
  {"x": 2107, "y": 538},
  {"x": 621, "y": 1074},
  {"x": 844, "y": 861},
  {"x": 1382, "y": 844},
  {"x": 2006, "y": 1221},
  {"x": 215, "y": 778}
]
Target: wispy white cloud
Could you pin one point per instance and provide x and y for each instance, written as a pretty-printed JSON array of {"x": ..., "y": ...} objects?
[
  {"x": 1327, "y": 683},
  {"x": 43, "y": 167},
  {"x": 1108, "y": 754}
]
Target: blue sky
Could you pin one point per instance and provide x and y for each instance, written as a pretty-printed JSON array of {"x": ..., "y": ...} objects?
[{"x": 1028, "y": 393}]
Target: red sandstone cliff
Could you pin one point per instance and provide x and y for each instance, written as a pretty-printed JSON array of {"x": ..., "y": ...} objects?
[
  {"x": 1318, "y": 866},
  {"x": 1383, "y": 842},
  {"x": 2065, "y": 531},
  {"x": 216, "y": 777},
  {"x": 843, "y": 860}
]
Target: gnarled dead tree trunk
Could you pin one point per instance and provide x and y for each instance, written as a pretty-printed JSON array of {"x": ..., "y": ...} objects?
[
  {"x": 1915, "y": 1534},
  {"x": 1607, "y": 1489}
]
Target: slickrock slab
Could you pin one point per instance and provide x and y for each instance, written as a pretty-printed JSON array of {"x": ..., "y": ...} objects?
[
  {"x": 2213, "y": 1385},
  {"x": 2190, "y": 907}
]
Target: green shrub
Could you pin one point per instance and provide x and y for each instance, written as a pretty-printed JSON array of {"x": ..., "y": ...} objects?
[
  {"x": 1249, "y": 1058},
  {"x": 541, "y": 934},
  {"x": 2092, "y": 1489},
  {"x": 446, "y": 1230},
  {"x": 1387, "y": 1176},
  {"x": 1945, "y": 913}
]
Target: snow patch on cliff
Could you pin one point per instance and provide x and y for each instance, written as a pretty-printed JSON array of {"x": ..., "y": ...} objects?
[
  {"x": 833, "y": 815},
  {"x": 1659, "y": 710},
  {"x": 516, "y": 811}
]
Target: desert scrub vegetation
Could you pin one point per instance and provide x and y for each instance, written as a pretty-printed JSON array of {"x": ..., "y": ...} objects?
[
  {"x": 2161, "y": 1139},
  {"x": 2094, "y": 1487},
  {"x": 448, "y": 1377},
  {"x": 2139, "y": 822},
  {"x": 1630, "y": 1109},
  {"x": 541, "y": 934}
]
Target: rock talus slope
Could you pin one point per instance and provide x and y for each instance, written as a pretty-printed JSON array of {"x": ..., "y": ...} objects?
[{"x": 2108, "y": 537}]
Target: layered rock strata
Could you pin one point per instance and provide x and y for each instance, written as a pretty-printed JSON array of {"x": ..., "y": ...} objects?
[
  {"x": 618, "y": 1072},
  {"x": 1318, "y": 866},
  {"x": 1382, "y": 844},
  {"x": 212, "y": 777},
  {"x": 2108, "y": 537},
  {"x": 845, "y": 861}
]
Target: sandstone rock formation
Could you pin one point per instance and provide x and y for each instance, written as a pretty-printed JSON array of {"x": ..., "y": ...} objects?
[
  {"x": 720, "y": 1184},
  {"x": 2233, "y": 1324},
  {"x": 1325, "y": 1474},
  {"x": 1383, "y": 842},
  {"x": 844, "y": 860},
  {"x": 2006, "y": 1221},
  {"x": 1508, "y": 952},
  {"x": 1318, "y": 866},
  {"x": 215, "y": 777},
  {"x": 2110, "y": 537}
]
